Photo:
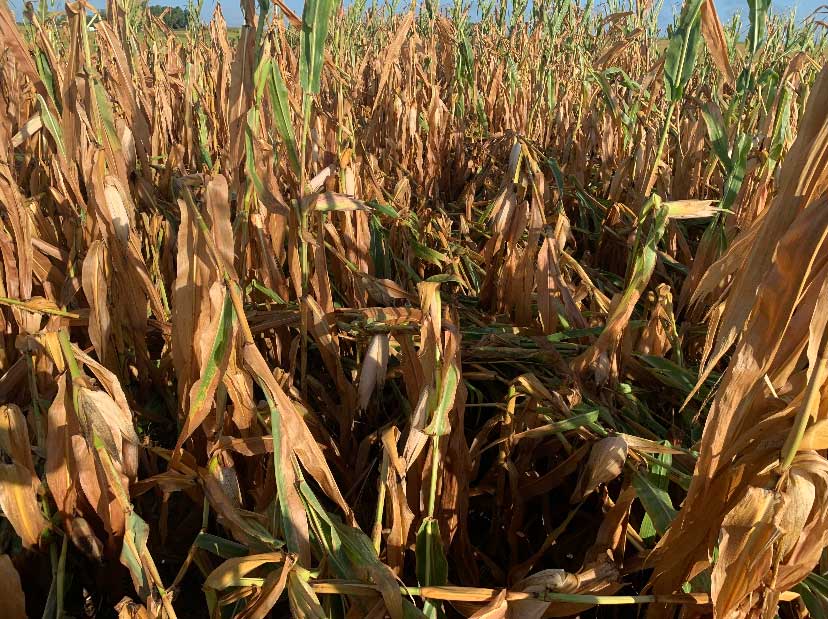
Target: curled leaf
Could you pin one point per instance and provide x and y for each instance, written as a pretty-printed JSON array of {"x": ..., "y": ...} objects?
[{"x": 606, "y": 461}]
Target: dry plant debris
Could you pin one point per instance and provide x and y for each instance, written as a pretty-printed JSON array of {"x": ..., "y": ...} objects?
[{"x": 372, "y": 312}]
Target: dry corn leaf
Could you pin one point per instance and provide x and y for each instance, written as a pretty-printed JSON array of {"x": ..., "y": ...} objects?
[
  {"x": 18, "y": 499},
  {"x": 271, "y": 591},
  {"x": 107, "y": 421},
  {"x": 11, "y": 590},
  {"x": 711, "y": 27},
  {"x": 816, "y": 436},
  {"x": 230, "y": 573},
  {"x": 18, "y": 481},
  {"x": 606, "y": 461},
  {"x": 392, "y": 53},
  {"x": 374, "y": 367},
  {"x": 496, "y": 609}
]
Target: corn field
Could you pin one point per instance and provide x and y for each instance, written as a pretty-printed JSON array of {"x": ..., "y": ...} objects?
[{"x": 508, "y": 311}]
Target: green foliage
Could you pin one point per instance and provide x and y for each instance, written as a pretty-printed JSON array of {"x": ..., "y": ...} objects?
[
  {"x": 175, "y": 18},
  {"x": 315, "y": 20},
  {"x": 682, "y": 51},
  {"x": 432, "y": 567},
  {"x": 758, "y": 24}
]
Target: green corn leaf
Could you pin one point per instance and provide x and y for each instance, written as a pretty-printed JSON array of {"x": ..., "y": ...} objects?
[
  {"x": 717, "y": 132},
  {"x": 444, "y": 278},
  {"x": 432, "y": 567},
  {"x": 817, "y": 583},
  {"x": 250, "y": 161},
  {"x": 768, "y": 84},
  {"x": 290, "y": 534},
  {"x": 221, "y": 547},
  {"x": 655, "y": 500},
  {"x": 448, "y": 388},
  {"x": 758, "y": 32},
  {"x": 315, "y": 18},
  {"x": 574, "y": 334},
  {"x": 645, "y": 250},
  {"x": 327, "y": 533},
  {"x": 281, "y": 115},
  {"x": 137, "y": 532},
  {"x": 52, "y": 125},
  {"x": 781, "y": 126},
  {"x": 607, "y": 92},
  {"x": 260, "y": 80},
  {"x": 211, "y": 376},
  {"x": 107, "y": 119},
  {"x": 45, "y": 72},
  {"x": 674, "y": 376},
  {"x": 384, "y": 209},
  {"x": 566, "y": 425},
  {"x": 737, "y": 172},
  {"x": 428, "y": 254},
  {"x": 816, "y": 604},
  {"x": 351, "y": 552},
  {"x": 268, "y": 292},
  {"x": 203, "y": 138},
  {"x": 660, "y": 477},
  {"x": 558, "y": 175},
  {"x": 557, "y": 20},
  {"x": 814, "y": 592},
  {"x": 682, "y": 50}
]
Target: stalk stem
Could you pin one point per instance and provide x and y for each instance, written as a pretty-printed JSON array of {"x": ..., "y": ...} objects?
[
  {"x": 482, "y": 594},
  {"x": 68, "y": 353},
  {"x": 61, "y": 577},
  {"x": 376, "y": 533},
  {"x": 810, "y": 403},
  {"x": 651, "y": 177},
  {"x": 24, "y": 305}
]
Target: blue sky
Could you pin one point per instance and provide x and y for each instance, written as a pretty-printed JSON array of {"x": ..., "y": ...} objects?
[{"x": 232, "y": 12}]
